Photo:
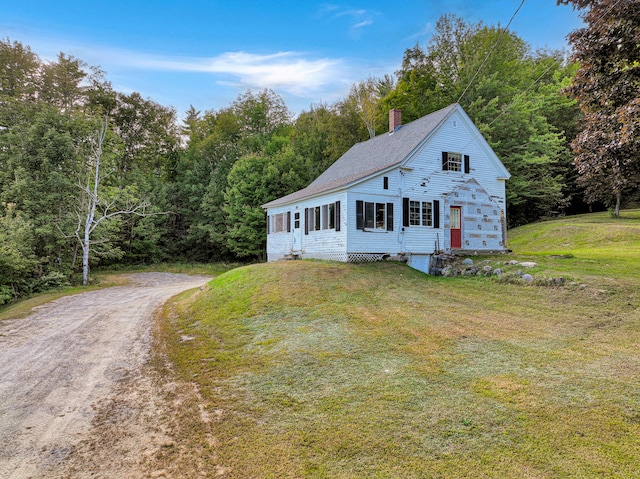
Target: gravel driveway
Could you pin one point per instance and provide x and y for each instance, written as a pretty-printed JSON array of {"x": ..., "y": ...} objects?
[{"x": 58, "y": 364}]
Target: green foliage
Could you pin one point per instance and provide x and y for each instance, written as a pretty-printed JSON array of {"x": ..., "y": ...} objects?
[
  {"x": 511, "y": 95},
  {"x": 5, "y": 294},
  {"x": 253, "y": 181},
  {"x": 50, "y": 281},
  {"x": 607, "y": 86},
  {"x": 17, "y": 259},
  {"x": 19, "y": 71},
  {"x": 322, "y": 135},
  {"x": 45, "y": 126},
  {"x": 204, "y": 182}
]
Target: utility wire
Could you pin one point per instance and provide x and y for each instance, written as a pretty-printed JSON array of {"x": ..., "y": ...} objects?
[
  {"x": 504, "y": 30},
  {"x": 510, "y": 105}
]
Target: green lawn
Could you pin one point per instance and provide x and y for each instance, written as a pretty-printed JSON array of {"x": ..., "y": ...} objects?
[
  {"x": 611, "y": 246},
  {"x": 327, "y": 370}
]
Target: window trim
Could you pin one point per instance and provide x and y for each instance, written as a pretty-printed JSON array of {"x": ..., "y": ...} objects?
[
  {"x": 463, "y": 165},
  {"x": 452, "y": 161},
  {"x": 322, "y": 217},
  {"x": 413, "y": 213},
  {"x": 279, "y": 223},
  {"x": 374, "y": 216}
]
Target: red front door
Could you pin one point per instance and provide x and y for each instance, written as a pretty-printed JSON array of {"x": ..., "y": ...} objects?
[{"x": 456, "y": 227}]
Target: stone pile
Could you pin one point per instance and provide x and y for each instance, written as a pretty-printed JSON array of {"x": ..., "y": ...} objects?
[{"x": 508, "y": 270}]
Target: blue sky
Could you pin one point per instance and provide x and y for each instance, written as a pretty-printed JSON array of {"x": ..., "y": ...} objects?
[{"x": 206, "y": 52}]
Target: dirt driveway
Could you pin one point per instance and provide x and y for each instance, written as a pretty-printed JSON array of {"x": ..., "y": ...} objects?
[{"x": 68, "y": 363}]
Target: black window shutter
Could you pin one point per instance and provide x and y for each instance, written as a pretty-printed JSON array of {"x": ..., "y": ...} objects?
[
  {"x": 369, "y": 215},
  {"x": 466, "y": 164},
  {"x": 445, "y": 160},
  {"x": 389, "y": 216},
  {"x": 268, "y": 229},
  {"x": 288, "y": 221},
  {"x": 337, "y": 212},
  {"x": 436, "y": 214},
  {"x": 405, "y": 211},
  {"x": 306, "y": 221},
  {"x": 359, "y": 214}
]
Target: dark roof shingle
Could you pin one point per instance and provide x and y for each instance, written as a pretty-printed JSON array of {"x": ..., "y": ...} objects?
[{"x": 366, "y": 158}]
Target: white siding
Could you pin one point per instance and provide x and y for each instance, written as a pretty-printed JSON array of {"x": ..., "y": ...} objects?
[
  {"x": 427, "y": 163},
  {"x": 427, "y": 180},
  {"x": 424, "y": 180},
  {"x": 324, "y": 243},
  {"x": 279, "y": 244},
  {"x": 373, "y": 240},
  {"x": 480, "y": 193}
]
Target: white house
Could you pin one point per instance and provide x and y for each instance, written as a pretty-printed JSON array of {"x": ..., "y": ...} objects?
[{"x": 433, "y": 185}]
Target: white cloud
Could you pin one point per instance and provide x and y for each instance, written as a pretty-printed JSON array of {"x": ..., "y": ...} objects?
[
  {"x": 294, "y": 73},
  {"x": 299, "y": 77},
  {"x": 362, "y": 24},
  {"x": 359, "y": 18},
  {"x": 289, "y": 71}
]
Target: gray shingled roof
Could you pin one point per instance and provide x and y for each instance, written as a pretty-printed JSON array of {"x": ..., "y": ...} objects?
[{"x": 366, "y": 158}]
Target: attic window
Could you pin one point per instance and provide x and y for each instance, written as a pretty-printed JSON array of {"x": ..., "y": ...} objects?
[
  {"x": 454, "y": 123},
  {"x": 385, "y": 182},
  {"x": 453, "y": 162}
]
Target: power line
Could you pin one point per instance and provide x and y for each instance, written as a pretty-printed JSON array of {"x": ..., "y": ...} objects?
[
  {"x": 505, "y": 110},
  {"x": 491, "y": 51}
]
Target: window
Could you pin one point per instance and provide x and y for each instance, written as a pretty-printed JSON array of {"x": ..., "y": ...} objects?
[
  {"x": 385, "y": 182},
  {"x": 328, "y": 216},
  {"x": 322, "y": 217},
  {"x": 381, "y": 216},
  {"x": 427, "y": 213},
  {"x": 414, "y": 213},
  {"x": 369, "y": 212},
  {"x": 297, "y": 221},
  {"x": 374, "y": 216},
  {"x": 454, "y": 162},
  {"x": 420, "y": 213},
  {"x": 279, "y": 223}
]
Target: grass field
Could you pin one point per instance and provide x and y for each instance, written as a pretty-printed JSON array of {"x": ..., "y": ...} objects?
[{"x": 327, "y": 370}]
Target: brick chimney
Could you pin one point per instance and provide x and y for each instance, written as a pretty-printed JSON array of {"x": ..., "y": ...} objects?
[{"x": 395, "y": 119}]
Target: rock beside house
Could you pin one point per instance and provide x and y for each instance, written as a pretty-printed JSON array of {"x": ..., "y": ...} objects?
[
  {"x": 509, "y": 271},
  {"x": 528, "y": 264}
]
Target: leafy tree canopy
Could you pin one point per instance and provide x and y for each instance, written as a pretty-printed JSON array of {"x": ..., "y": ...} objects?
[{"x": 607, "y": 86}]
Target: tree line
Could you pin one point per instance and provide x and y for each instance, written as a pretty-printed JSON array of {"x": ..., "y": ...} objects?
[{"x": 192, "y": 190}]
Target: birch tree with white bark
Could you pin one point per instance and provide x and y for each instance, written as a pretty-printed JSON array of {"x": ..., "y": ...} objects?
[
  {"x": 98, "y": 203},
  {"x": 363, "y": 98}
]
